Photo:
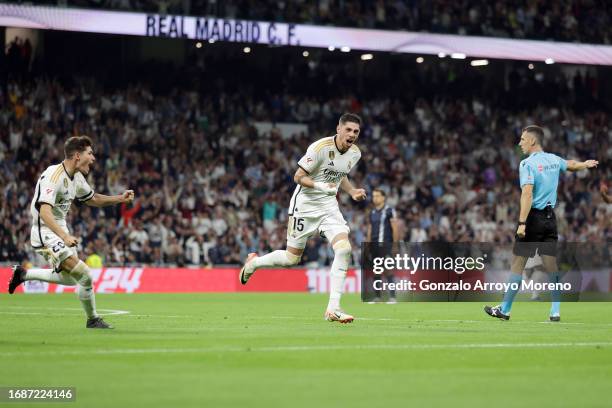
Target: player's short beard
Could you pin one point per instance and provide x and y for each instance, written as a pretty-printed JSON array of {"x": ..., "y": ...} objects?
[{"x": 83, "y": 170}]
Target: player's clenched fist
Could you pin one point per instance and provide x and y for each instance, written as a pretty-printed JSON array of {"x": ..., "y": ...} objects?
[
  {"x": 70, "y": 241},
  {"x": 358, "y": 194},
  {"x": 128, "y": 196}
]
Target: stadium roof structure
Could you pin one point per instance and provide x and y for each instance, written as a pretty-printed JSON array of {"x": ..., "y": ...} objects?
[{"x": 286, "y": 34}]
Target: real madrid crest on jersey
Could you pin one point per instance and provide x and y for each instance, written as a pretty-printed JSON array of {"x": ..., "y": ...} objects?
[
  {"x": 66, "y": 183},
  {"x": 332, "y": 155}
]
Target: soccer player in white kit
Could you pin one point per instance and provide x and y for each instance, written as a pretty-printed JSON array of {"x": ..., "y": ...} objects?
[
  {"x": 56, "y": 188},
  {"x": 314, "y": 209}
]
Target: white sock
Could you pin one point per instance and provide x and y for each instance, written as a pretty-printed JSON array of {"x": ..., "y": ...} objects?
[
  {"x": 275, "y": 258},
  {"x": 47, "y": 275},
  {"x": 342, "y": 255},
  {"x": 88, "y": 300},
  {"x": 85, "y": 290}
]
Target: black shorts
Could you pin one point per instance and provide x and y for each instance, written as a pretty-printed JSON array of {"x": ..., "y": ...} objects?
[{"x": 540, "y": 234}]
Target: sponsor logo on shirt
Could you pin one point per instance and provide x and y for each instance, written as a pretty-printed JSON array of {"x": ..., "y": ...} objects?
[
  {"x": 548, "y": 167},
  {"x": 332, "y": 176}
]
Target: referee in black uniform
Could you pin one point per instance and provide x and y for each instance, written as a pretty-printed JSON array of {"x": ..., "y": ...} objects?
[{"x": 382, "y": 227}]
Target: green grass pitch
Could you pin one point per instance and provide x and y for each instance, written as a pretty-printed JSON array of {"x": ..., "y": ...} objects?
[{"x": 275, "y": 350}]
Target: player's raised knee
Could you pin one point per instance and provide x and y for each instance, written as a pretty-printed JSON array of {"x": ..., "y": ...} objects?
[
  {"x": 342, "y": 247},
  {"x": 292, "y": 258},
  {"x": 82, "y": 274}
]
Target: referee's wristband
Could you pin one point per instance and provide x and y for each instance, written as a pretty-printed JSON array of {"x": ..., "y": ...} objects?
[{"x": 522, "y": 223}]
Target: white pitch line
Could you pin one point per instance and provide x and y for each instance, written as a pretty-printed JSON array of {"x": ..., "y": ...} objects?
[
  {"x": 165, "y": 316},
  {"x": 553, "y": 323},
  {"x": 522, "y": 322},
  {"x": 103, "y": 312},
  {"x": 455, "y": 321},
  {"x": 331, "y": 347},
  {"x": 127, "y": 313},
  {"x": 486, "y": 321},
  {"x": 312, "y": 318},
  {"x": 111, "y": 312},
  {"x": 24, "y": 313}
]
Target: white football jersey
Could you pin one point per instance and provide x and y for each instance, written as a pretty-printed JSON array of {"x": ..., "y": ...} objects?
[
  {"x": 57, "y": 188},
  {"x": 324, "y": 163}
]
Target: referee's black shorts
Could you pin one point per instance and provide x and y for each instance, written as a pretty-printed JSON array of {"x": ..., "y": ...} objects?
[{"x": 540, "y": 234}]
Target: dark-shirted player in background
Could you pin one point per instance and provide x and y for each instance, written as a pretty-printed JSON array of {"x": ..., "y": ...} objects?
[
  {"x": 382, "y": 227},
  {"x": 537, "y": 225}
]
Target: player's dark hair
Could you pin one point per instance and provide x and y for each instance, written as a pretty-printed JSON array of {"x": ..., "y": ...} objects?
[
  {"x": 76, "y": 144},
  {"x": 381, "y": 191},
  {"x": 350, "y": 117},
  {"x": 536, "y": 131}
]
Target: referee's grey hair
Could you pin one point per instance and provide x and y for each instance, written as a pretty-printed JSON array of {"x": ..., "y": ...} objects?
[{"x": 536, "y": 131}]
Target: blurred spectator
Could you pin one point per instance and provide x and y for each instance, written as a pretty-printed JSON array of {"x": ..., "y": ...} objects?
[
  {"x": 194, "y": 250},
  {"x": 94, "y": 260},
  {"x": 174, "y": 252},
  {"x": 156, "y": 232},
  {"x": 138, "y": 239}
]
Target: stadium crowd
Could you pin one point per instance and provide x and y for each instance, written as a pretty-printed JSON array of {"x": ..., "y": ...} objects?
[
  {"x": 210, "y": 188},
  {"x": 585, "y": 21}
]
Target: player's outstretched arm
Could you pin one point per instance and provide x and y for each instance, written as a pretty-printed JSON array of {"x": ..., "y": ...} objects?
[
  {"x": 303, "y": 179},
  {"x": 101, "y": 200},
  {"x": 573, "y": 165},
  {"x": 47, "y": 216},
  {"x": 357, "y": 194}
]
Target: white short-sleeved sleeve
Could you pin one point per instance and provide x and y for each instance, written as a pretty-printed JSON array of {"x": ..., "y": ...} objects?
[
  {"x": 47, "y": 191},
  {"x": 310, "y": 161},
  {"x": 83, "y": 191}
]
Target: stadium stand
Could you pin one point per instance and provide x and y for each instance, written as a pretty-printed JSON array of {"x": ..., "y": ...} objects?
[
  {"x": 212, "y": 186},
  {"x": 586, "y": 21}
]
